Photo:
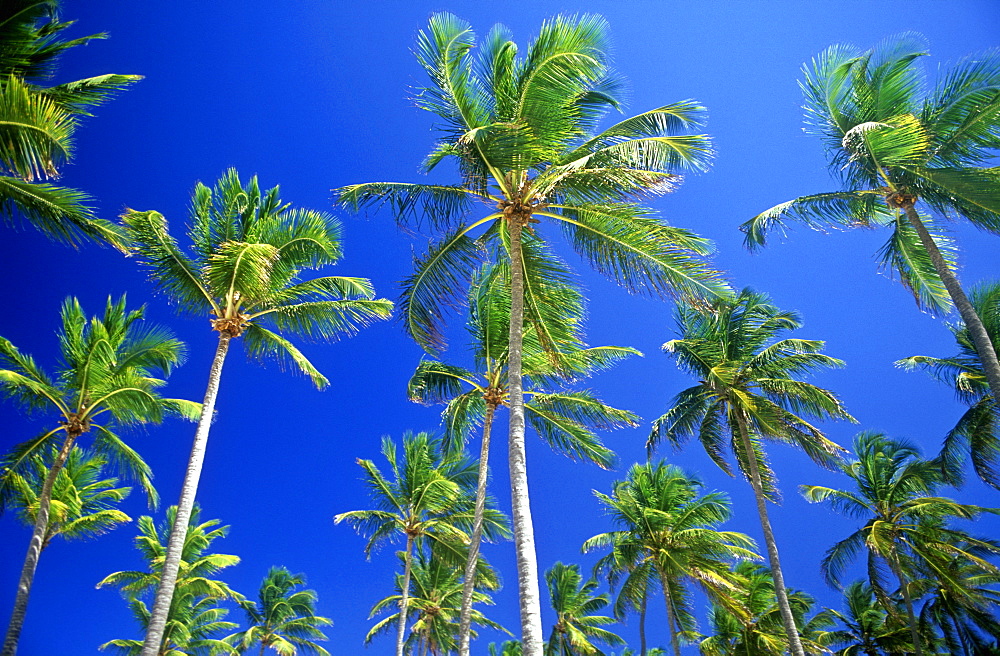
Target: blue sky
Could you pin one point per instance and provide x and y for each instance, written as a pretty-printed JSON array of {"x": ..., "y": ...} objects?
[{"x": 315, "y": 95}]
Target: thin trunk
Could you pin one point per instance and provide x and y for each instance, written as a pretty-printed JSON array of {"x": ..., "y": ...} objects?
[
  {"x": 671, "y": 616},
  {"x": 524, "y": 534},
  {"x": 908, "y": 602},
  {"x": 262, "y": 648},
  {"x": 977, "y": 332},
  {"x": 642, "y": 619},
  {"x": 35, "y": 546},
  {"x": 404, "y": 599},
  {"x": 469, "y": 582},
  {"x": 178, "y": 532},
  {"x": 794, "y": 644}
]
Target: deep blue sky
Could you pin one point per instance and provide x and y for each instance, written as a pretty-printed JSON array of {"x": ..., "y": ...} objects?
[{"x": 314, "y": 95}]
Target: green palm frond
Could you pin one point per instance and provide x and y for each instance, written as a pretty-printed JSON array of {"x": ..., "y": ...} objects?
[{"x": 904, "y": 255}]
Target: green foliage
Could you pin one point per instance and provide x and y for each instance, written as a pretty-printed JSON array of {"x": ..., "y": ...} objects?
[{"x": 577, "y": 626}]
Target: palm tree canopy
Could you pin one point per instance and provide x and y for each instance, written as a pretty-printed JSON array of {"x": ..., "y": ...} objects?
[
  {"x": 107, "y": 377},
  {"x": 523, "y": 131},
  {"x": 894, "y": 139},
  {"x": 977, "y": 432},
  {"x": 577, "y": 623},
  {"x": 748, "y": 375},
  {"x": 245, "y": 269}
]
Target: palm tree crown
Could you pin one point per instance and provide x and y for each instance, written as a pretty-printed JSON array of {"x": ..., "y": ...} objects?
[{"x": 577, "y": 624}]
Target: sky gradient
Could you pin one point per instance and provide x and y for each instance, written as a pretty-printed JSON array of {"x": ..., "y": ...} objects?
[{"x": 315, "y": 95}]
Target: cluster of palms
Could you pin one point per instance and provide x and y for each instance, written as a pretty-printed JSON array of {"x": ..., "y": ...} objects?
[{"x": 524, "y": 132}]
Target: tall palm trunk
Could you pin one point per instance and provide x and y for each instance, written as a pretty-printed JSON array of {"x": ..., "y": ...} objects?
[
  {"x": 469, "y": 582},
  {"x": 794, "y": 644},
  {"x": 404, "y": 599},
  {"x": 178, "y": 532},
  {"x": 642, "y": 619},
  {"x": 524, "y": 534},
  {"x": 977, "y": 332},
  {"x": 35, "y": 546},
  {"x": 911, "y": 618},
  {"x": 672, "y": 622}
]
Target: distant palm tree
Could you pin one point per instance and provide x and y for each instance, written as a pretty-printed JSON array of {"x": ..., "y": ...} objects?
[
  {"x": 577, "y": 625},
  {"x": 978, "y": 430},
  {"x": 566, "y": 419},
  {"x": 895, "y": 145},
  {"x": 904, "y": 521},
  {"x": 868, "y": 629},
  {"x": 37, "y": 123},
  {"x": 284, "y": 618},
  {"x": 250, "y": 251},
  {"x": 428, "y": 499},
  {"x": 194, "y": 620},
  {"x": 435, "y": 596},
  {"x": 668, "y": 537},
  {"x": 750, "y": 391},
  {"x": 523, "y": 132},
  {"x": 107, "y": 378}
]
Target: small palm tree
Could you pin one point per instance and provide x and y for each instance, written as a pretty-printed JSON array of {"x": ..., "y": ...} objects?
[
  {"x": 428, "y": 499},
  {"x": 896, "y": 145},
  {"x": 106, "y": 379},
  {"x": 868, "y": 629},
  {"x": 668, "y": 537},
  {"x": 750, "y": 390},
  {"x": 977, "y": 432},
  {"x": 194, "y": 621},
  {"x": 524, "y": 134},
  {"x": 567, "y": 419},
  {"x": 250, "y": 251},
  {"x": 577, "y": 625},
  {"x": 284, "y": 618},
  {"x": 37, "y": 123},
  {"x": 904, "y": 527}
]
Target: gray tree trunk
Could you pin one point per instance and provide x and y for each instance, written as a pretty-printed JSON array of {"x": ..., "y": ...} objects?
[
  {"x": 35, "y": 546},
  {"x": 189, "y": 489},
  {"x": 404, "y": 599},
  {"x": 524, "y": 534},
  {"x": 469, "y": 582},
  {"x": 977, "y": 332},
  {"x": 908, "y": 602},
  {"x": 672, "y": 623},
  {"x": 787, "y": 619}
]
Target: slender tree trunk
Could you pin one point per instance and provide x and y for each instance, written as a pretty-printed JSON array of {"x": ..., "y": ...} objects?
[
  {"x": 524, "y": 534},
  {"x": 794, "y": 644},
  {"x": 977, "y": 332},
  {"x": 404, "y": 599},
  {"x": 908, "y": 602},
  {"x": 469, "y": 582},
  {"x": 262, "y": 648},
  {"x": 178, "y": 532},
  {"x": 35, "y": 546},
  {"x": 672, "y": 621},
  {"x": 642, "y": 619}
]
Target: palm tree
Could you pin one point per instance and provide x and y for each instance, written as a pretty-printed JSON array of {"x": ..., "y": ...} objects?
[
  {"x": 107, "y": 378},
  {"x": 194, "y": 618},
  {"x": 868, "y": 629},
  {"x": 749, "y": 389},
  {"x": 250, "y": 250},
  {"x": 428, "y": 499},
  {"x": 37, "y": 123},
  {"x": 522, "y": 132},
  {"x": 566, "y": 419},
  {"x": 904, "y": 527},
  {"x": 577, "y": 625},
  {"x": 668, "y": 537},
  {"x": 895, "y": 145},
  {"x": 763, "y": 632},
  {"x": 83, "y": 505},
  {"x": 435, "y": 595},
  {"x": 284, "y": 618},
  {"x": 977, "y": 431}
]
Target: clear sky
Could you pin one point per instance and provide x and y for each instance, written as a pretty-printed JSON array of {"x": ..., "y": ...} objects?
[{"x": 314, "y": 95}]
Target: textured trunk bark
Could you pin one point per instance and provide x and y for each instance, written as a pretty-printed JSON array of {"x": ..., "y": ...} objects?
[
  {"x": 175, "y": 545},
  {"x": 404, "y": 599},
  {"x": 35, "y": 546},
  {"x": 524, "y": 534},
  {"x": 642, "y": 621},
  {"x": 469, "y": 582},
  {"x": 671, "y": 616},
  {"x": 794, "y": 644},
  {"x": 977, "y": 332}
]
